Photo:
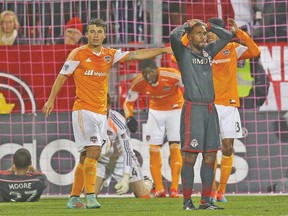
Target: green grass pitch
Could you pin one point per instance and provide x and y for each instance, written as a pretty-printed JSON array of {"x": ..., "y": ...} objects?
[{"x": 271, "y": 205}]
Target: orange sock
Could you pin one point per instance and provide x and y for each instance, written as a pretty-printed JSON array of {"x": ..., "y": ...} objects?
[
  {"x": 89, "y": 175},
  {"x": 214, "y": 185},
  {"x": 175, "y": 165},
  {"x": 78, "y": 183},
  {"x": 226, "y": 167},
  {"x": 145, "y": 196},
  {"x": 155, "y": 166}
]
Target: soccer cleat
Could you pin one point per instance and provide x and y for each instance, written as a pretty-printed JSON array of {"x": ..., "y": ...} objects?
[
  {"x": 188, "y": 205},
  {"x": 213, "y": 196},
  {"x": 92, "y": 202},
  {"x": 159, "y": 194},
  {"x": 221, "y": 197},
  {"x": 75, "y": 202},
  {"x": 174, "y": 193},
  {"x": 209, "y": 206}
]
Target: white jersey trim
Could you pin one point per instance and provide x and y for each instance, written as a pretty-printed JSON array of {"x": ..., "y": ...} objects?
[{"x": 69, "y": 67}]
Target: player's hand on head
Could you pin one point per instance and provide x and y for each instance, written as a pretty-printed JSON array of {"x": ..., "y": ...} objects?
[
  {"x": 123, "y": 185},
  {"x": 31, "y": 170},
  {"x": 132, "y": 124},
  {"x": 233, "y": 24}
]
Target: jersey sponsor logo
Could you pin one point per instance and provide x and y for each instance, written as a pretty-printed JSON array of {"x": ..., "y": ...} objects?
[
  {"x": 225, "y": 52},
  {"x": 194, "y": 143},
  {"x": 95, "y": 73},
  {"x": 203, "y": 61},
  {"x": 94, "y": 139},
  {"x": 88, "y": 60},
  {"x": 24, "y": 185},
  {"x": 166, "y": 88},
  {"x": 107, "y": 59},
  {"x": 232, "y": 101},
  {"x": 221, "y": 61}
]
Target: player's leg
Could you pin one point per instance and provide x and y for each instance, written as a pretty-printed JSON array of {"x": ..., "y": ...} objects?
[
  {"x": 77, "y": 186},
  {"x": 98, "y": 185},
  {"x": 89, "y": 136},
  {"x": 173, "y": 135},
  {"x": 155, "y": 135},
  {"x": 231, "y": 129},
  {"x": 213, "y": 195},
  {"x": 140, "y": 186}
]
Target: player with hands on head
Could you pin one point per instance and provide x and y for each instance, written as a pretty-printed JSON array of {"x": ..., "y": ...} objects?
[
  {"x": 163, "y": 85},
  {"x": 120, "y": 162},
  {"x": 28, "y": 183},
  {"x": 90, "y": 65},
  {"x": 227, "y": 100},
  {"x": 199, "y": 128}
]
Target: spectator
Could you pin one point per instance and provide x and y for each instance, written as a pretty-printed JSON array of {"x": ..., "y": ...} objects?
[
  {"x": 9, "y": 26},
  {"x": 21, "y": 181},
  {"x": 73, "y": 33}
]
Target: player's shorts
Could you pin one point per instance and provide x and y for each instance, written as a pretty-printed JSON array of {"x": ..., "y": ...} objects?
[
  {"x": 108, "y": 168},
  {"x": 161, "y": 123},
  {"x": 199, "y": 129},
  {"x": 229, "y": 121},
  {"x": 90, "y": 128}
]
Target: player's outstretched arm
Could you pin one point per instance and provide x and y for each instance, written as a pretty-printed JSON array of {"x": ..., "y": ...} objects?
[
  {"x": 148, "y": 53},
  {"x": 49, "y": 105}
]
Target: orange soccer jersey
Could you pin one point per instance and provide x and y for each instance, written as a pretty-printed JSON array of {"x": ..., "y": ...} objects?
[
  {"x": 91, "y": 73},
  {"x": 165, "y": 95}
]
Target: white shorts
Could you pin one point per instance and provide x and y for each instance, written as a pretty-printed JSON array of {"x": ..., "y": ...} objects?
[
  {"x": 229, "y": 121},
  {"x": 89, "y": 128},
  {"x": 161, "y": 123},
  {"x": 110, "y": 168}
]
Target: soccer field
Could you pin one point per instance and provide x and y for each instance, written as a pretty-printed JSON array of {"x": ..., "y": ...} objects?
[{"x": 236, "y": 205}]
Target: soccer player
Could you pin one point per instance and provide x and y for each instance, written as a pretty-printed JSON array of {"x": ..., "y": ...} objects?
[
  {"x": 90, "y": 65},
  {"x": 227, "y": 98},
  {"x": 199, "y": 129},
  {"x": 163, "y": 85},
  {"x": 120, "y": 161},
  {"x": 21, "y": 183}
]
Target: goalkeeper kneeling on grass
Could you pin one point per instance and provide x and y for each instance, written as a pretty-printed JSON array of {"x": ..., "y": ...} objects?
[{"x": 119, "y": 160}]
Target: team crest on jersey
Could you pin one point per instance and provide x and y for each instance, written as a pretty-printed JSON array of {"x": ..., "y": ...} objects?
[
  {"x": 123, "y": 136},
  {"x": 109, "y": 133},
  {"x": 205, "y": 54},
  {"x": 107, "y": 58},
  {"x": 194, "y": 143},
  {"x": 166, "y": 88},
  {"x": 226, "y": 52},
  {"x": 65, "y": 67},
  {"x": 148, "y": 137},
  {"x": 94, "y": 139}
]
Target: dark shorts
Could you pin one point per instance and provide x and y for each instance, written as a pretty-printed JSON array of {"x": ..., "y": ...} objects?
[{"x": 199, "y": 129}]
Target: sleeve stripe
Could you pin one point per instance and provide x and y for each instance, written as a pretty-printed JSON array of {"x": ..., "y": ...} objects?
[{"x": 118, "y": 121}]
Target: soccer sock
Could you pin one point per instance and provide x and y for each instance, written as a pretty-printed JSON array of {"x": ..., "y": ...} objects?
[
  {"x": 187, "y": 178},
  {"x": 145, "y": 196},
  {"x": 175, "y": 165},
  {"x": 78, "y": 182},
  {"x": 226, "y": 167},
  {"x": 89, "y": 175},
  {"x": 207, "y": 176},
  {"x": 214, "y": 185},
  {"x": 155, "y": 166}
]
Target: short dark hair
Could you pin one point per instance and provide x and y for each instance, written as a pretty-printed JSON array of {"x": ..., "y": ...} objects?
[
  {"x": 217, "y": 21},
  {"x": 147, "y": 63},
  {"x": 97, "y": 22},
  {"x": 22, "y": 158}
]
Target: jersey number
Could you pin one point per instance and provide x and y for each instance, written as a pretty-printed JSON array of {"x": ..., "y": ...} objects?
[{"x": 18, "y": 196}]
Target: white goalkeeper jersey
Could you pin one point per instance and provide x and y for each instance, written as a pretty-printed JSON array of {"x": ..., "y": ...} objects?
[{"x": 121, "y": 149}]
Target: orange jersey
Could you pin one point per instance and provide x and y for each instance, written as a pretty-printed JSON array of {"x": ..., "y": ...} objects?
[
  {"x": 165, "y": 95},
  {"x": 91, "y": 73},
  {"x": 224, "y": 68}
]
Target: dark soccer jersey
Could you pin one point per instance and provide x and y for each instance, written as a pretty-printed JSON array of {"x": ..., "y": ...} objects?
[
  {"x": 196, "y": 70},
  {"x": 16, "y": 188}
]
